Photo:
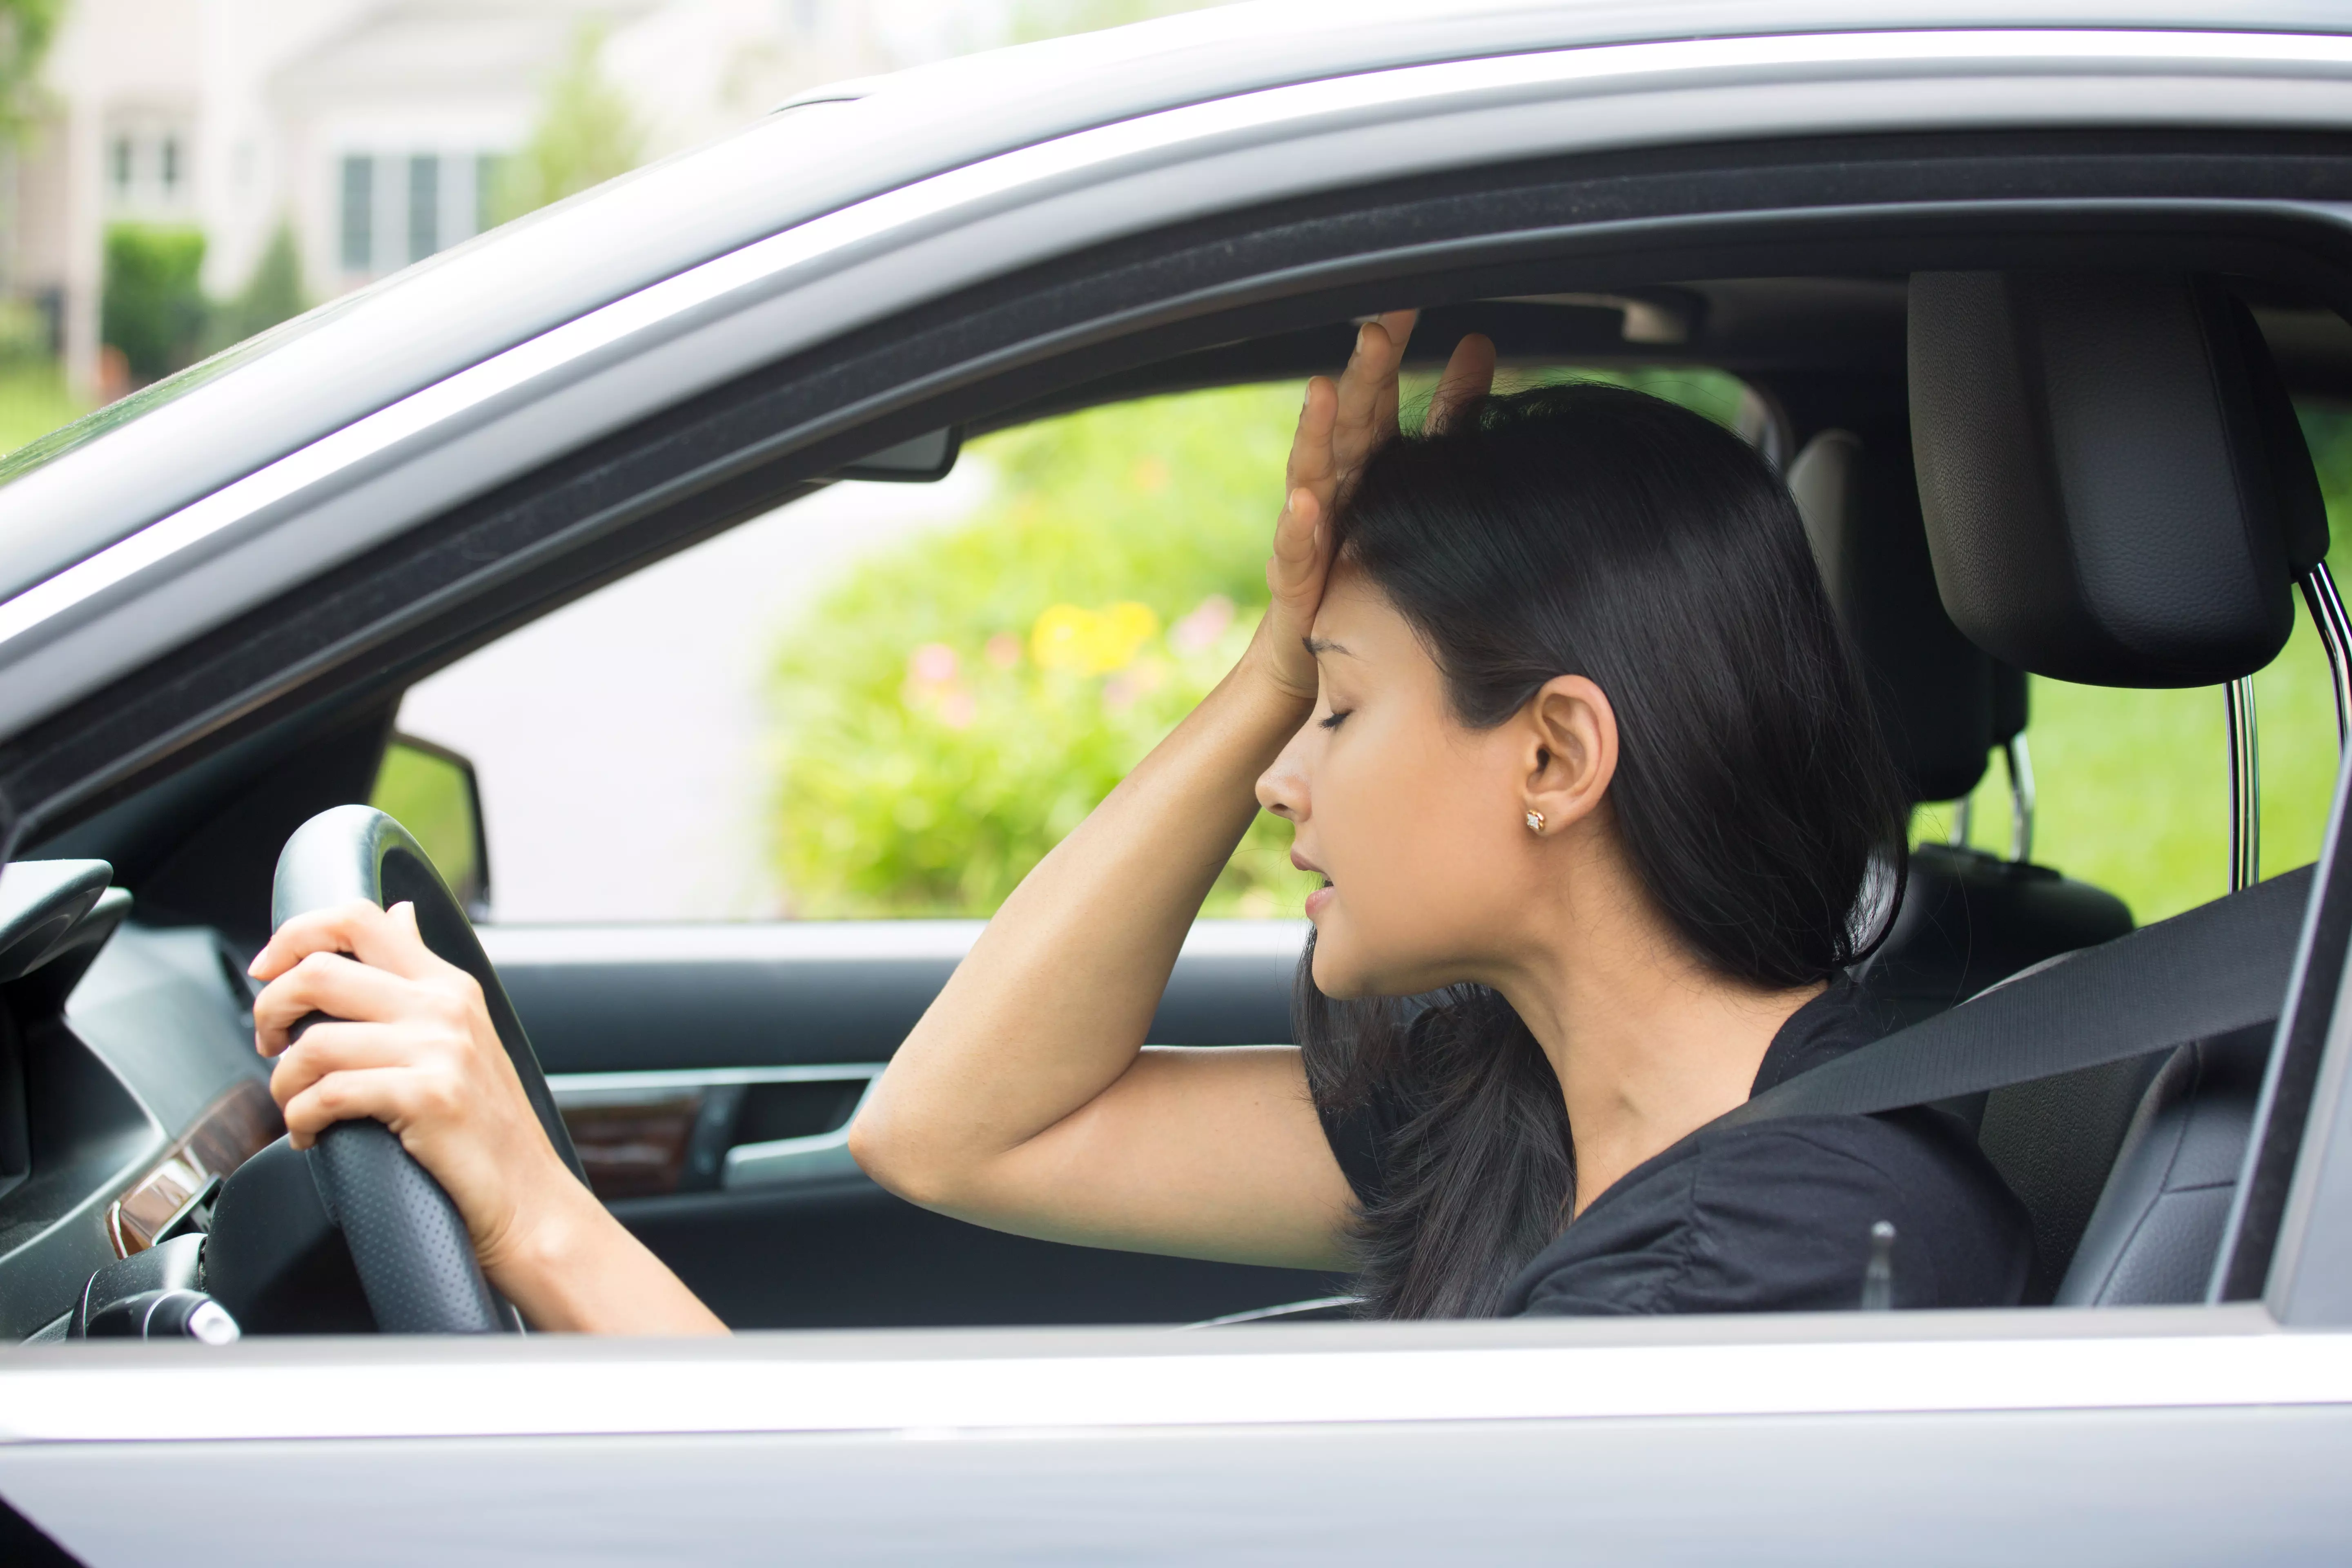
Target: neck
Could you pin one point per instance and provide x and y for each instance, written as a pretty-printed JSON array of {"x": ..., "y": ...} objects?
[{"x": 1649, "y": 1044}]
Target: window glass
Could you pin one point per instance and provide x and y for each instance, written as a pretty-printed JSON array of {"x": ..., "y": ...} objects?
[
  {"x": 892, "y": 700},
  {"x": 2133, "y": 788},
  {"x": 430, "y": 792},
  {"x": 423, "y": 207},
  {"x": 358, "y": 214}
]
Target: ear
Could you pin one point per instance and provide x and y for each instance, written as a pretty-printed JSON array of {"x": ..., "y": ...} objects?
[{"x": 1570, "y": 731}]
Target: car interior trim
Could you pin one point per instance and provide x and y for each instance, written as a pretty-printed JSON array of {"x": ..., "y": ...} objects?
[
  {"x": 1350, "y": 106},
  {"x": 243, "y": 1121},
  {"x": 650, "y": 1133}
]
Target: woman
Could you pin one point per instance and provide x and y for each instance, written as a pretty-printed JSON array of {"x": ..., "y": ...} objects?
[{"x": 1557, "y": 705}]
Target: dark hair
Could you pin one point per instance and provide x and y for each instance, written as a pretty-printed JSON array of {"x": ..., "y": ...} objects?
[{"x": 1588, "y": 530}]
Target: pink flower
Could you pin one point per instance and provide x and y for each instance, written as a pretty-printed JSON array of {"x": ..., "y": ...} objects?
[
  {"x": 957, "y": 711},
  {"x": 1003, "y": 650},
  {"x": 1201, "y": 628},
  {"x": 933, "y": 663}
]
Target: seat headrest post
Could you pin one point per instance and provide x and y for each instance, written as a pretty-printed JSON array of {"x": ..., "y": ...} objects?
[
  {"x": 2109, "y": 490},
  {"x": 2335, "y": 630}
]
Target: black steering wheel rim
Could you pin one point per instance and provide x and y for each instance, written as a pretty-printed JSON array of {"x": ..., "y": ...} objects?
[{"x": 414, "y": 1260}]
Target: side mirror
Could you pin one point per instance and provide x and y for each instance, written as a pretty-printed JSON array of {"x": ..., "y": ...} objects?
[
  {"x": 924, "y": 460},
  {"x": 431, "y": 791}
]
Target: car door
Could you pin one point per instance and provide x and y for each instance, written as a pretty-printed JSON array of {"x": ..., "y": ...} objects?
[{"x": 661, "y": 773}]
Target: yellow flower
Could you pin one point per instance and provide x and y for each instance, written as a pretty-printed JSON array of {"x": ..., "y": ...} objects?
[{"x": 1091, "y": 642}]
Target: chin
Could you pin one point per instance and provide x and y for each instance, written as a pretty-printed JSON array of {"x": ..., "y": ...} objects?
[
  {"x": 1344, "y": 972},
  {"x": 1335, "y": 976}
]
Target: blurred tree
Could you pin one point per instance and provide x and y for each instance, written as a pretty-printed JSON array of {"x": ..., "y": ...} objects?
[
  {"x": 152, "y": 305},
  {"x": 586, "y": 135},
  {"x": 26, "y": 29},
  {"x": 273, "y": 294}
]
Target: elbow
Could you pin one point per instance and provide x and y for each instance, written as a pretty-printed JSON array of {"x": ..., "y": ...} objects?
[{"x": 895, "y": 1162}]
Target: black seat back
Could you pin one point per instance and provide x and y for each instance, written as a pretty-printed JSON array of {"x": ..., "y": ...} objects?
[
  {"x": 2109, "y": 497},
  {"x": 1967, "y": 919},
  {"x": 2157, "y": 1224}
]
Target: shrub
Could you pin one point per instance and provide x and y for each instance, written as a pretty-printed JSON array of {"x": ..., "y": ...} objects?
[
  {"x": 273, "y": 294},
  {"x": 152, "y": 306},
  {"x": 586, "y": 133},
  {"x": 25, "y": 338},
  {"x": 956, "y": 705}
]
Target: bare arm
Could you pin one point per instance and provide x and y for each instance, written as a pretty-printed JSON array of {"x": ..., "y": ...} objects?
[
  {"x": 1025, "y": 1099},
  {"x": 410, "y": 1043}
]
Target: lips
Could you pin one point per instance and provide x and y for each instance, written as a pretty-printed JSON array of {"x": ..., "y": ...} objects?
[{"x": 1321, "y": 896}]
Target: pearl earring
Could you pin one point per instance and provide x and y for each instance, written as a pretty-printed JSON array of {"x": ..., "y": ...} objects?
[{"x": 1534, "y": 822}]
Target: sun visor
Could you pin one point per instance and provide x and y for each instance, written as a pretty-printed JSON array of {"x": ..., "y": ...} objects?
[{"x": 2109, "y": 493}]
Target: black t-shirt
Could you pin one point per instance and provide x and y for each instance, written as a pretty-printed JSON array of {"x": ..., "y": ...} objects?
[{"x": 1772, "y": 1216}]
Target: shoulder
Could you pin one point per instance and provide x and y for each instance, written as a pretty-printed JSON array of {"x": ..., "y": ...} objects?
[{"x": 1776, "y": 1216}]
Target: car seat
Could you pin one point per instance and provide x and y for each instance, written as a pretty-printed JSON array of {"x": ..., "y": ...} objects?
[
  {"x": 2113, "y": 492},
  {"x": 1967, "y": 919}
]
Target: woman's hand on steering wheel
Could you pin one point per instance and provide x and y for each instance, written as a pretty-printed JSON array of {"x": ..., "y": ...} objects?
[
  {"x": 404, "y": 1038},
  {"x": 1341, "y": 426}
]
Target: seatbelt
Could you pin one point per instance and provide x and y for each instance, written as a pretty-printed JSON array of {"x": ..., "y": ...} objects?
[{"x": 2219, "y": 967}]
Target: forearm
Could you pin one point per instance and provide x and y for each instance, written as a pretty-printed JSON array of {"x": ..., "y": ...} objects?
[
  {"x": 1056, "y": 998},
  {"x": 579, "y": 1270}
]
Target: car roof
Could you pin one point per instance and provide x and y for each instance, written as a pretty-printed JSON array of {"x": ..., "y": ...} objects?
[{"x": 103, "y": 479}]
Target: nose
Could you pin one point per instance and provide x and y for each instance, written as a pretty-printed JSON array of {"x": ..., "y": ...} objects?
[{"x": 1282, "y": 789}]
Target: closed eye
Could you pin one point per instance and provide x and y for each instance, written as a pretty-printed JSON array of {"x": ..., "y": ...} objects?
[{"x": 1333, "y": 721}]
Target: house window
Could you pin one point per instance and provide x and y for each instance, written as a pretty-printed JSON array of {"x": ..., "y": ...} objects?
[
  {"x": 358, "y": 214},
  {"x": 168, "y": 167},
  {"x": 423, "y": 207},
  {"x": 488, "y": 171},
  {"x": 118, "y": 161}
]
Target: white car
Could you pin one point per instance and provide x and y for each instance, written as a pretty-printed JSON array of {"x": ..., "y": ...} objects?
[{"x": 1989, "y": 232}]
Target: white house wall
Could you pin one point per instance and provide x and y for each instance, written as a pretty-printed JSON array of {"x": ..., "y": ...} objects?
[{"x": 266, "y": 97}]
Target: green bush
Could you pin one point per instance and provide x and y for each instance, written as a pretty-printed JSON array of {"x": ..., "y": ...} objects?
[
  {"x": 25, "y": 336},
  {"x": 955, "y": 706},
  {"x": 273, "y": 294},
  {"x": 586, "y": 133},
  {"x": 152, "y": 306}
]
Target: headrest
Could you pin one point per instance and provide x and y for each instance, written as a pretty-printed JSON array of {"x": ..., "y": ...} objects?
[
  {"x": 1932, "y": 687},
  {"x": 2115, "y": 486}
]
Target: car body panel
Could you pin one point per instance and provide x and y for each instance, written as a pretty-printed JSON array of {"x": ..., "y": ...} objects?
[{"x": 2139, "y": 1437}]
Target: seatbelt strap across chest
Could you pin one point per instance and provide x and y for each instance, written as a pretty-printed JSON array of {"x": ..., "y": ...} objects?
[{"x": 2217, "y": 968}]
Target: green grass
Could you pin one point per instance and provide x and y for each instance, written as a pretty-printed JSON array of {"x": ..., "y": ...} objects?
[
  {"x": 34, "y": 402},
  {"x": 2134, "y": 786}
]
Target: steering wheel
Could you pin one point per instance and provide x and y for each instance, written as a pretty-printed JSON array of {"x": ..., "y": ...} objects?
[{"x": 414, "y": 1260}]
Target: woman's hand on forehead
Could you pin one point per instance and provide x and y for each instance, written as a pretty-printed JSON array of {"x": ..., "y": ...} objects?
[{"x": 1342, "y": 424}]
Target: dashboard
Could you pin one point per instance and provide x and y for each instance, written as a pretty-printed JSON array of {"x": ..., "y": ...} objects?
[{"x": 129, "y": 1088}]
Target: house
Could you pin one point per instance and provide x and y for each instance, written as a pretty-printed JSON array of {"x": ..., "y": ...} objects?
[{"x": 372, "y": 127}]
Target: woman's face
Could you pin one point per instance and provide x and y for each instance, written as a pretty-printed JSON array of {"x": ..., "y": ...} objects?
[{"x": 1417, "y": 821}]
